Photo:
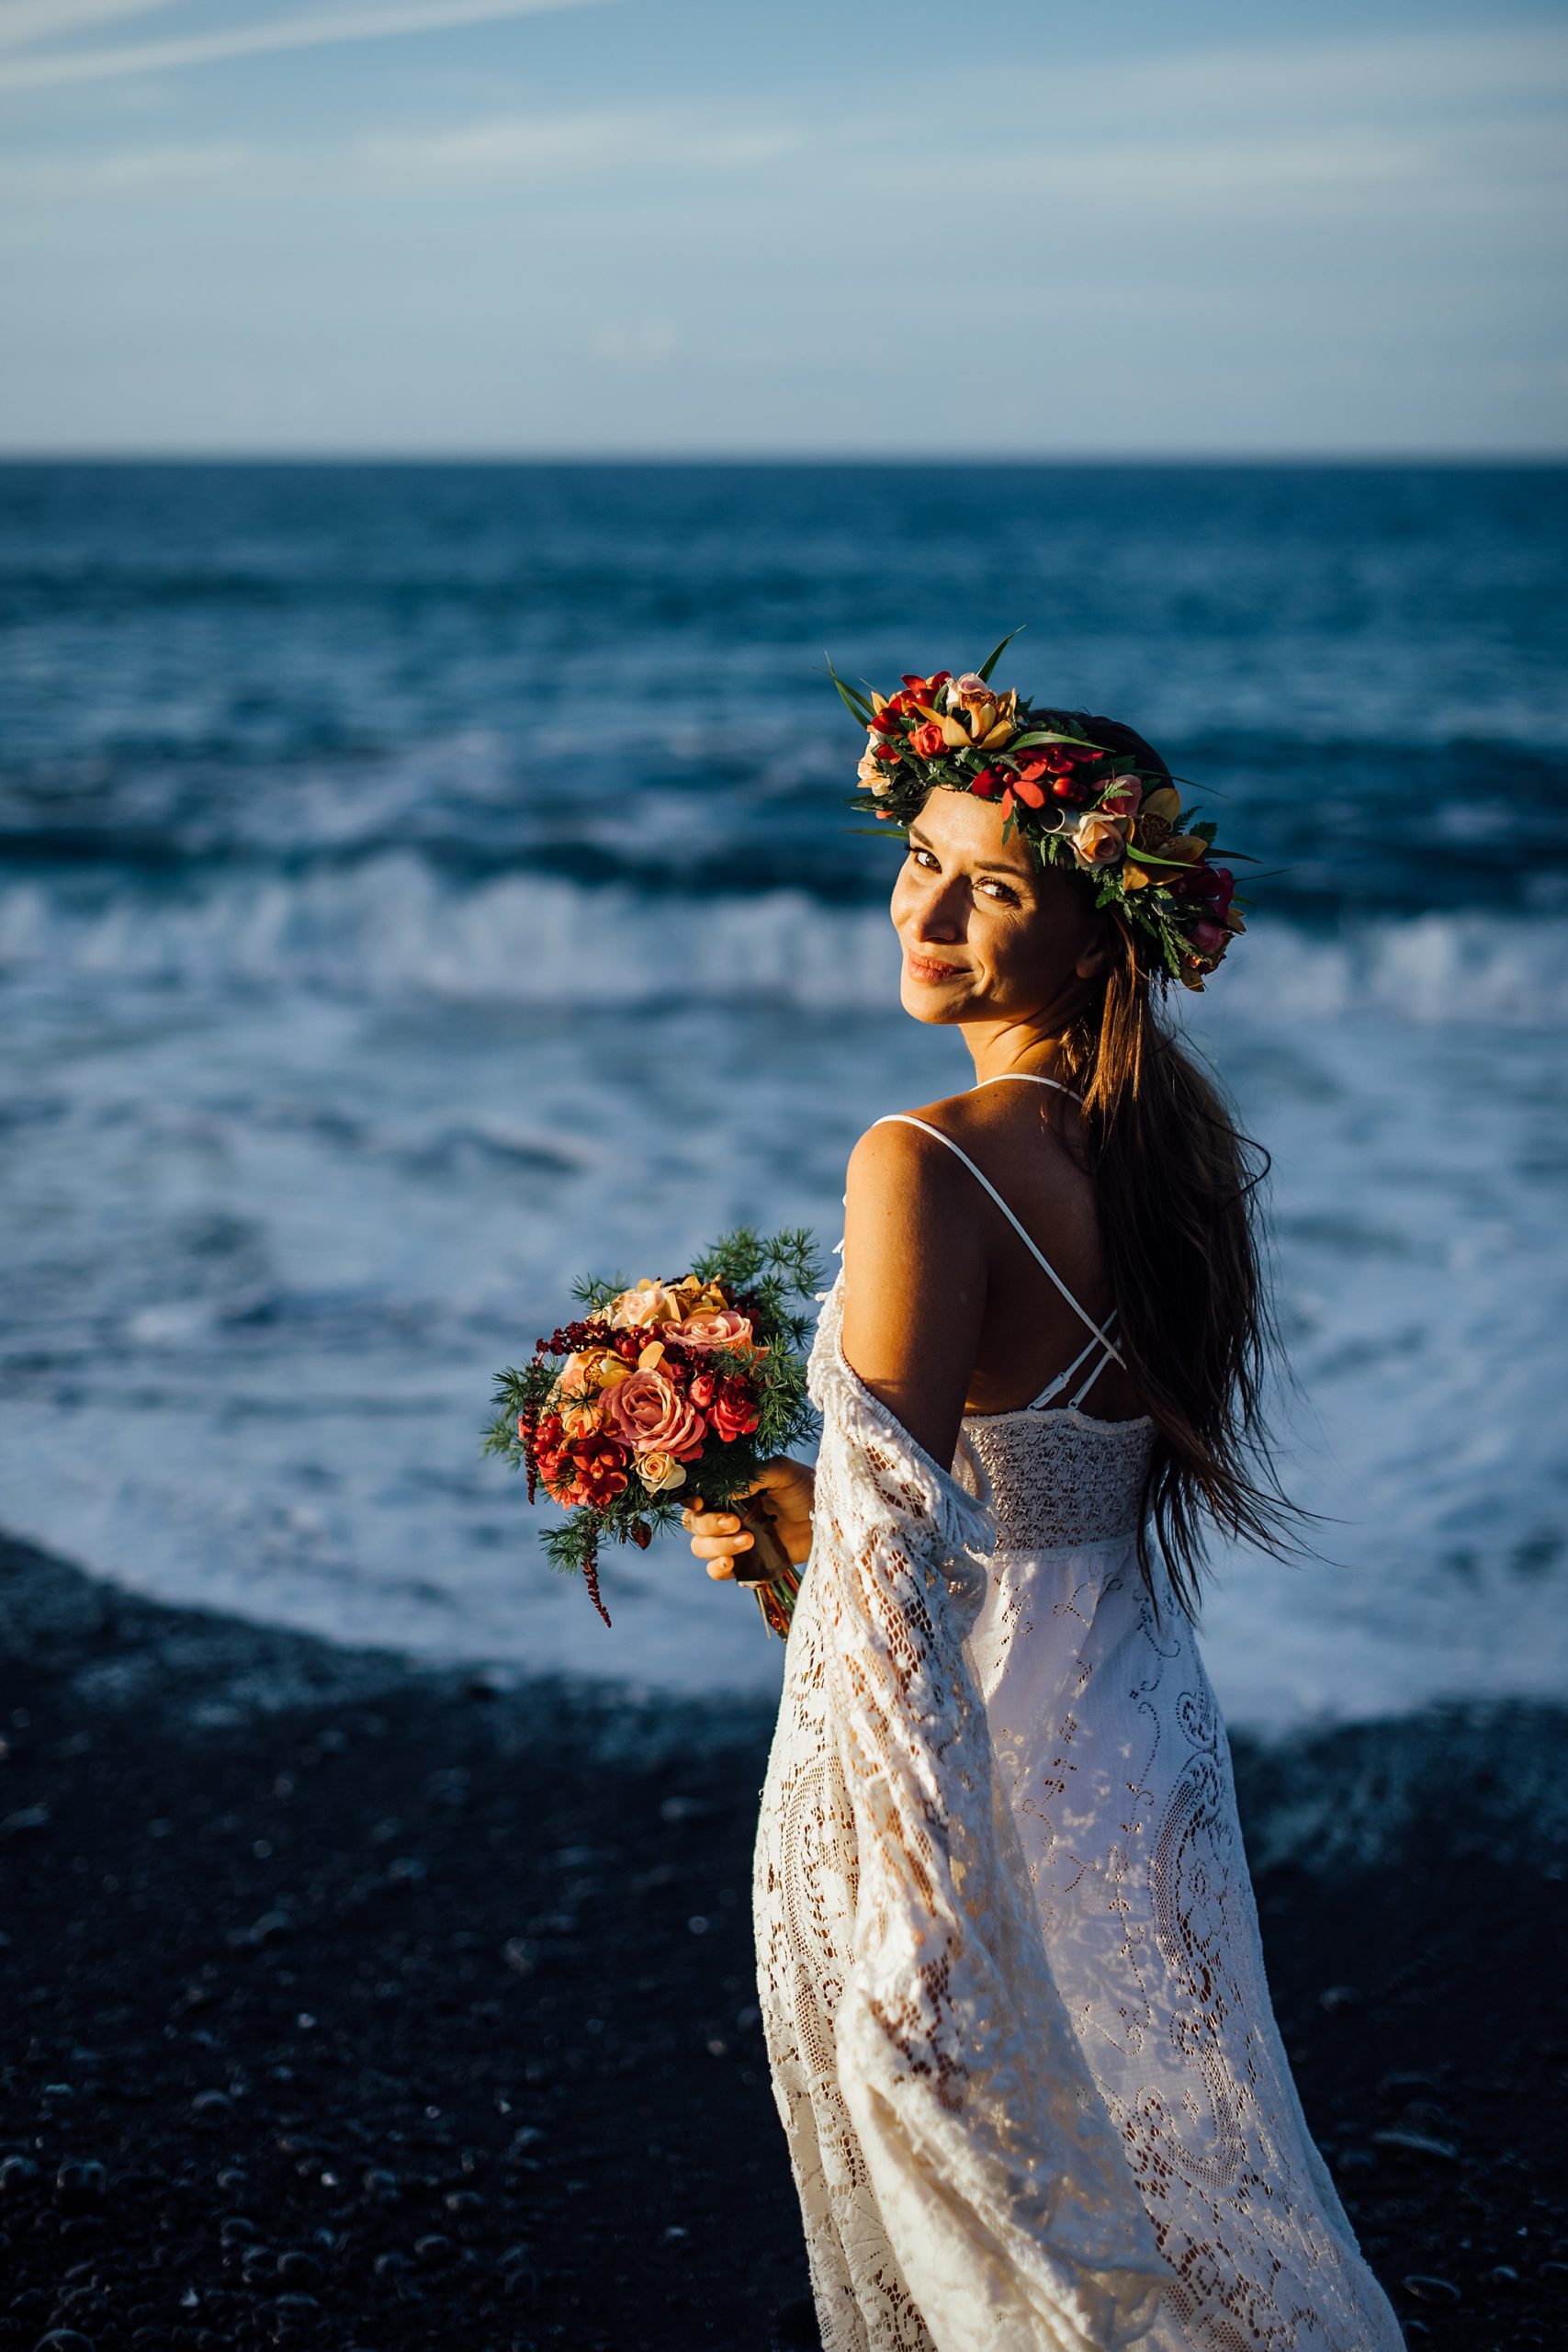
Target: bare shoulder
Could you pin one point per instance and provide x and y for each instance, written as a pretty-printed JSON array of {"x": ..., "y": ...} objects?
[
  {"x": 906, "y": 1203},
  {"x": 894, "y": 1157},
  {"x": 1024, "y": 1144},
  {"x": 915, "y": 1280}
]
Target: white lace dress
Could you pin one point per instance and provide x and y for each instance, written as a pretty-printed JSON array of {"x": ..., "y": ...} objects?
[{"x": 1008, "y": 1959}]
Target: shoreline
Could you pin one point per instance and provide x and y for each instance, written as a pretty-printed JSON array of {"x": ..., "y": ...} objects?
[{"x": 366, "y": 2004}]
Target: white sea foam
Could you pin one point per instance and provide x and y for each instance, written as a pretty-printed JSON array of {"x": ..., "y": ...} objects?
[
  {"x": 394, "y": 926},
  {"x": 276, "y": 1242}
]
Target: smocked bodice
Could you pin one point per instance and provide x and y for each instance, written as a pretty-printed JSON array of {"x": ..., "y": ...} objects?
[{"x": 1059, "y": 1479}]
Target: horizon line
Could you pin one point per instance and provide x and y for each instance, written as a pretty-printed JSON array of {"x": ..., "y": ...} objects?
[{"x": 132, "y": 455}]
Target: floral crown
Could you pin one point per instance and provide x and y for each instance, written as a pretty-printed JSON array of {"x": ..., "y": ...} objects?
[{"x": 1107, "y": 814}]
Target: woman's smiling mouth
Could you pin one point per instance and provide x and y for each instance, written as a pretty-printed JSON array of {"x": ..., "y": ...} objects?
[{"x": 926, "y": 967}]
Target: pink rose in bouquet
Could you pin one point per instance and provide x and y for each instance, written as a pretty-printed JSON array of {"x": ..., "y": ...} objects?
[
  {"x": 647, "y": 1412},
  {"x": 721, "y": 1328}
]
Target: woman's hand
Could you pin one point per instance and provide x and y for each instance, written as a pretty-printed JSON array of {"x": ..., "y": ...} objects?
[{"x": 787, "y": 1488}]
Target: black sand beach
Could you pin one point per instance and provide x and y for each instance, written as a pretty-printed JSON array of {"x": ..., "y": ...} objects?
[{"x": 369, "y": 2008}]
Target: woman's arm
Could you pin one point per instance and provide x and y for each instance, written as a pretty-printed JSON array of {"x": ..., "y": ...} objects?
[
  {"x": 914, "y": 1297},
  {"x": 914, "y": 1281}
]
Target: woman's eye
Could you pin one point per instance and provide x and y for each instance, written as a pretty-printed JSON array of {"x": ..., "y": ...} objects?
[{"x": 928, "y": 863}]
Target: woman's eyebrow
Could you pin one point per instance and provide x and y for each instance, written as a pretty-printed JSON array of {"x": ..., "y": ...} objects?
[{"x": 982, "y": 865}]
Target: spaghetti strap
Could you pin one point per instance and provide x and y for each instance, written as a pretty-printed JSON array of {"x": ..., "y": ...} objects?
[
  {"x": 1081, "y": 1391},
  {"x": 907, "y": 1119},
  {"x": 1027, "y": 1077},
  {"x": 1054, "y": 1387}
]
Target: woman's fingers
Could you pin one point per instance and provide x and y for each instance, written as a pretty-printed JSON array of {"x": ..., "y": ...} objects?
[
  {"x": 716, "y": 1536},
  {"x": 721, "y": 1547},
  {"x": 719, "y": 1537}
]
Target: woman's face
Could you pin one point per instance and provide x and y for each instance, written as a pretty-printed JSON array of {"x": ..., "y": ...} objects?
[{"x": 988, "y": 932}]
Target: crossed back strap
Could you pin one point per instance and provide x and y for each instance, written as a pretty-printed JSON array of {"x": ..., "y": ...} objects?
[{"x": 1099, "y": 1342}]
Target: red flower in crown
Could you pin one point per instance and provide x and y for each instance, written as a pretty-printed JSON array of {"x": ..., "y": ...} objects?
[
  {"x": 926, "y": 740},
  {"x": 1026, "y": 784}
]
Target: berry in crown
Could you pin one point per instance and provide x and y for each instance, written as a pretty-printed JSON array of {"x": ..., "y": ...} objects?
[{"x": 1105, "y": 814}]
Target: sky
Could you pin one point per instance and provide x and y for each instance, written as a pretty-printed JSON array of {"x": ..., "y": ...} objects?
[{"x": 477, "y": 228}]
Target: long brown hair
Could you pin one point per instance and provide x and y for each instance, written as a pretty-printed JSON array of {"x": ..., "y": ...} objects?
[{"x": 1175, "y": 1185}]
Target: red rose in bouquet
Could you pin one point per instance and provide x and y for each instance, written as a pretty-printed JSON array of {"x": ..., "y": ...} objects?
[{"x": 734, "y": 1411}]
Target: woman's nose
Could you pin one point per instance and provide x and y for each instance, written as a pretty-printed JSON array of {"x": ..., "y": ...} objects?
[{"x": 938, "y": 920}]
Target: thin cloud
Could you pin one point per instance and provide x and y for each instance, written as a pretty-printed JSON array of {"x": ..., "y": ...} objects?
[
  {"x": 251, "y": 40},
  {"x": 519, "y": 151},
  {"x": 1269, "y": 142},
  {"x": 523, "y": 148},
  {"x": 22, "y": 21},
  {"x": 139, "y": 170},
  {"x": 1386, "y": 75},
  {"x": 1341, "y": 168}
]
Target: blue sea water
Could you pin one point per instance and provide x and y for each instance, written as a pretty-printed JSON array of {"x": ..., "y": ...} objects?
[{"x": 420, "y": 884}]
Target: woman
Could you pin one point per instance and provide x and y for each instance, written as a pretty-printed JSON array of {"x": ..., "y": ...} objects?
[{"x": 1009, "y": 1964}]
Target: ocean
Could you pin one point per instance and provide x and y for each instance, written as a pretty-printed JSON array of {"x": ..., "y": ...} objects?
[{"x": 421, "y": 884}]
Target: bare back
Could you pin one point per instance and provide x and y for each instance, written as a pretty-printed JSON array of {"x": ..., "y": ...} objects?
[{"x": 948, "y": 1310}]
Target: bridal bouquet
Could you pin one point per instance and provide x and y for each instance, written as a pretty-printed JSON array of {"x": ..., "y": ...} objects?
[{"x": 664, "y": 1391}]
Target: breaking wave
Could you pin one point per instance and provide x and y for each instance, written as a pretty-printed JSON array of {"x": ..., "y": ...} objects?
[{"x": 394, "y": 925}]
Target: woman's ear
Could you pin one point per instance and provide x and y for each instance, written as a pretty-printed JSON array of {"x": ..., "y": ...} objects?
[{"x": 1094, "y": 959}]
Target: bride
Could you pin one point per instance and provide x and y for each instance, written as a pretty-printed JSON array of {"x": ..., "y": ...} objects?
[{"x": 1009, "y": 1966}]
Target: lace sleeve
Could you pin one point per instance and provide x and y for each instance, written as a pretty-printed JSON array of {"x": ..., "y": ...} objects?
[{"x": 997, "y": 2172}]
